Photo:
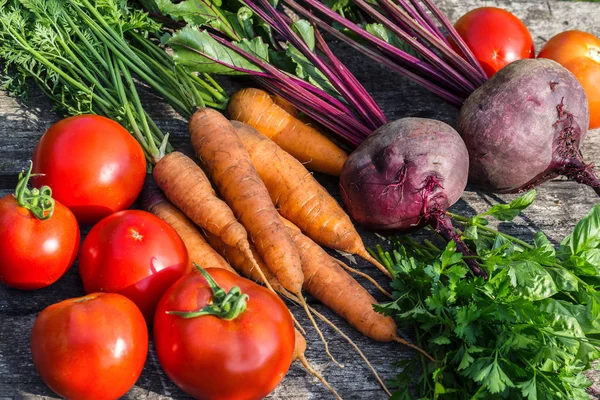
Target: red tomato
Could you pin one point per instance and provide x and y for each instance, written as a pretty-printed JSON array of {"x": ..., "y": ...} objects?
[
  {"x": 35, "y": 252},
  {"x": 93, "y": 165},
  {"x": 579, "y": 52},
  {"x": 495, "y": 36},
  {"x": 91, "y": 347},
  {"x": 133, "y": 253},
  {"x": 212, "y": 358}
]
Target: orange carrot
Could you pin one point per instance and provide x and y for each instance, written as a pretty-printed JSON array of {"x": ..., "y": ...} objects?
[
  {"x": 299, "y": 349},
  {"x": 229, "y": 166},
  {"x": 256, "y": 108},
  {"x": 329, "y": 283},
  {"x": 240, "y": 262},
  {"x": 199, "y": 250},
  {"x": 300, "y": 198},
  {"x": 187, "y": 187},
  {"x": 285, "y": 105}
]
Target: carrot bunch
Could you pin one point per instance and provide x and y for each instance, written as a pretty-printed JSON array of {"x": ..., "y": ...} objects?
[{"x": 241, "y": 222}]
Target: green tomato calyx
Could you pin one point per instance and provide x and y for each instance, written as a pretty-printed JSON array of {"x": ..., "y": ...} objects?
[
  {"x": 38, "y": 201},
  {"x": 227, "y": 306}
]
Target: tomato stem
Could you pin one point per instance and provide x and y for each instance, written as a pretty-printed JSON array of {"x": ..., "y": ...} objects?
[
  {"x": 38, "y": 201},
  {"x": 227, "y": 306}
]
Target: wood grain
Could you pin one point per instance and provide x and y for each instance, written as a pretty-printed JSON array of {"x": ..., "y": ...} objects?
[{"x": 559, "y": 205}]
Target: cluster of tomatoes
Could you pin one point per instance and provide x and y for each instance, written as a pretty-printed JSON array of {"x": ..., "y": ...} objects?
[
  {"x": 496, "y": 37},
  {"x": 89, "y": 171}
]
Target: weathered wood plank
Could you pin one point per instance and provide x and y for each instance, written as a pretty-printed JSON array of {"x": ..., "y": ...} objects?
[{"x": 560, "y": 204}]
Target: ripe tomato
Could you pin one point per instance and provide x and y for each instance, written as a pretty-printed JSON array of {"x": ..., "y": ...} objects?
[
  {"x": 35, "y": 252},
  {"x": 133, "y": 253},
  {"x": 579, "y": 52},
  {"x": 495, "y": 36},
  {"x": 93, "y": 165},
  {"x": 212, "y": 358},
  {"x": 91, "y": 347}
]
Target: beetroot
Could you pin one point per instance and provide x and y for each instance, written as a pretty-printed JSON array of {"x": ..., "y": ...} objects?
[
  {"x": 524, "y": 126},
  {"x": 405, "y": 175}
]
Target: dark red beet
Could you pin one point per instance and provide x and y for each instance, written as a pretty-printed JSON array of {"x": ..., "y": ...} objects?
[
  {"x": 405, "y": 175},
  {"x": 524, "y": 126}
]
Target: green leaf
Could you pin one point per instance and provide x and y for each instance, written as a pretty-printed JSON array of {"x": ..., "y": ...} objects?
[
  {"x": 465, "y": 316},
  {"x": 466, "y": 360},
  {"x": 450, "y": 256},
  {"x": 205, "y": 13},
  {"x": 195, "y": 49},
  {"x": 307, "y": 71},
  {"x": 441, "y": 340},
  {"x": 306, "y": 31},
  {"x": 585, "y": 236},
  {"x": 255, "y": 46},
  {"x": 244, "y": 20},
  {"x": 531, "y": 280},
  {"x": 381, "y": 32},
  {"x": 496, "y": 380},
  {"x": 581, "y": 265},
  {"x": 562, "y": 317},
  {"x": 565, "y": 280},
  {"x": 529, "y": 389},
  {"x": 507, "y": 212}
]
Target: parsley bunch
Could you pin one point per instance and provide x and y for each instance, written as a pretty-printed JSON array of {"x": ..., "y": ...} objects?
[{"x": 526, "y": 333}]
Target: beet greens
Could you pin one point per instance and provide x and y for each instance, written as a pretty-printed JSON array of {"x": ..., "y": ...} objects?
[{"x": 522, "y": 127}]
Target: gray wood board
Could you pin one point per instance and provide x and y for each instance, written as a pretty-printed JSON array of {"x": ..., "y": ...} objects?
[{"x": 559, "y": 205}]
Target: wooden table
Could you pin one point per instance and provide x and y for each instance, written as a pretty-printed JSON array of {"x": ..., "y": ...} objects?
[{"x": 559, "y": 205}]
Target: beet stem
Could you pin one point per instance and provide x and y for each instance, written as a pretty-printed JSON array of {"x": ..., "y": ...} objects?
[
  {"x": 576, "y": 169},
  {"x": 442, "y": 223}
]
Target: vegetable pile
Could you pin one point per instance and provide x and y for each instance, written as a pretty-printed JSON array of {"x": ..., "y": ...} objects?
[{"x": 495, "y": 316}]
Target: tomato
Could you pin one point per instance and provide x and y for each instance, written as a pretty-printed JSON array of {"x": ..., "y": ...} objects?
[
  {"x": 35, "y": 252},
  {"x": 91, "y": 347},
  {"x": 93, "y": 165},
  {"x": 212, "y": 358},
  {"x": 579, "y": 52},
  {"x": 133, "y": 253},
  {"x": 495, "y": 36}
]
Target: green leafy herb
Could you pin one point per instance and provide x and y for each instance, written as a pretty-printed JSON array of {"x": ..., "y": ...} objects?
[{"x": 526, "y": 333}]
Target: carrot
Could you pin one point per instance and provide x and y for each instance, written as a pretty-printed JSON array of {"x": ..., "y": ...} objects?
[
  {"x": 300, "y": 198},
  {"x": 229, "y": 166},
  {"x": 330, "y": 284},
  {"x": 256, "y": 108},
  {"x": 258, "y": 272},
  {"x": 199, "y": 250},
  {"x": 299, "y": 349},
  {"x": 187, "y": 187},
  {"x": 285, "y": 105}
]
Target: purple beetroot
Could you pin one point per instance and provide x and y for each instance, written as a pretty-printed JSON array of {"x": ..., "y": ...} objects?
[
  {"x": 525, "y": 126},
  {"x": 404, "y": 176}
]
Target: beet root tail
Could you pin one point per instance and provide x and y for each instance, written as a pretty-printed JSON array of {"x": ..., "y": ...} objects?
[
  {"x": 442, "y": 223},
  {"x": 576, "y": 169}
]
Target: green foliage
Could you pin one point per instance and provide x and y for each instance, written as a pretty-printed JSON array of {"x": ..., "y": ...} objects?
[
  {"x": 526, "y": 333},
  {"x": 84, "y": 54}
]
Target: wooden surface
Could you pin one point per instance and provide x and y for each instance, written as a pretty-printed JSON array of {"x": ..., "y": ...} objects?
[{"x": 559, "y": 205}]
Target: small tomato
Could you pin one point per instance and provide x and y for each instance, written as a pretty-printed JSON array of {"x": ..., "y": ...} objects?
[
  {"x": 495, "y": 36},
  {"x": 579, "y": 52},
  {"x": 239, "y": 351},
  {"x": 91, "y": 347},
  {"x": 39, "y": 237},
  {"x": 133, "y": 253}
]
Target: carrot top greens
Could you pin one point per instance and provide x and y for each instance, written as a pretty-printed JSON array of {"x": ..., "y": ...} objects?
[
  {"x": 85, "y": 54},
  {"x": 528, "y": 332}
]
